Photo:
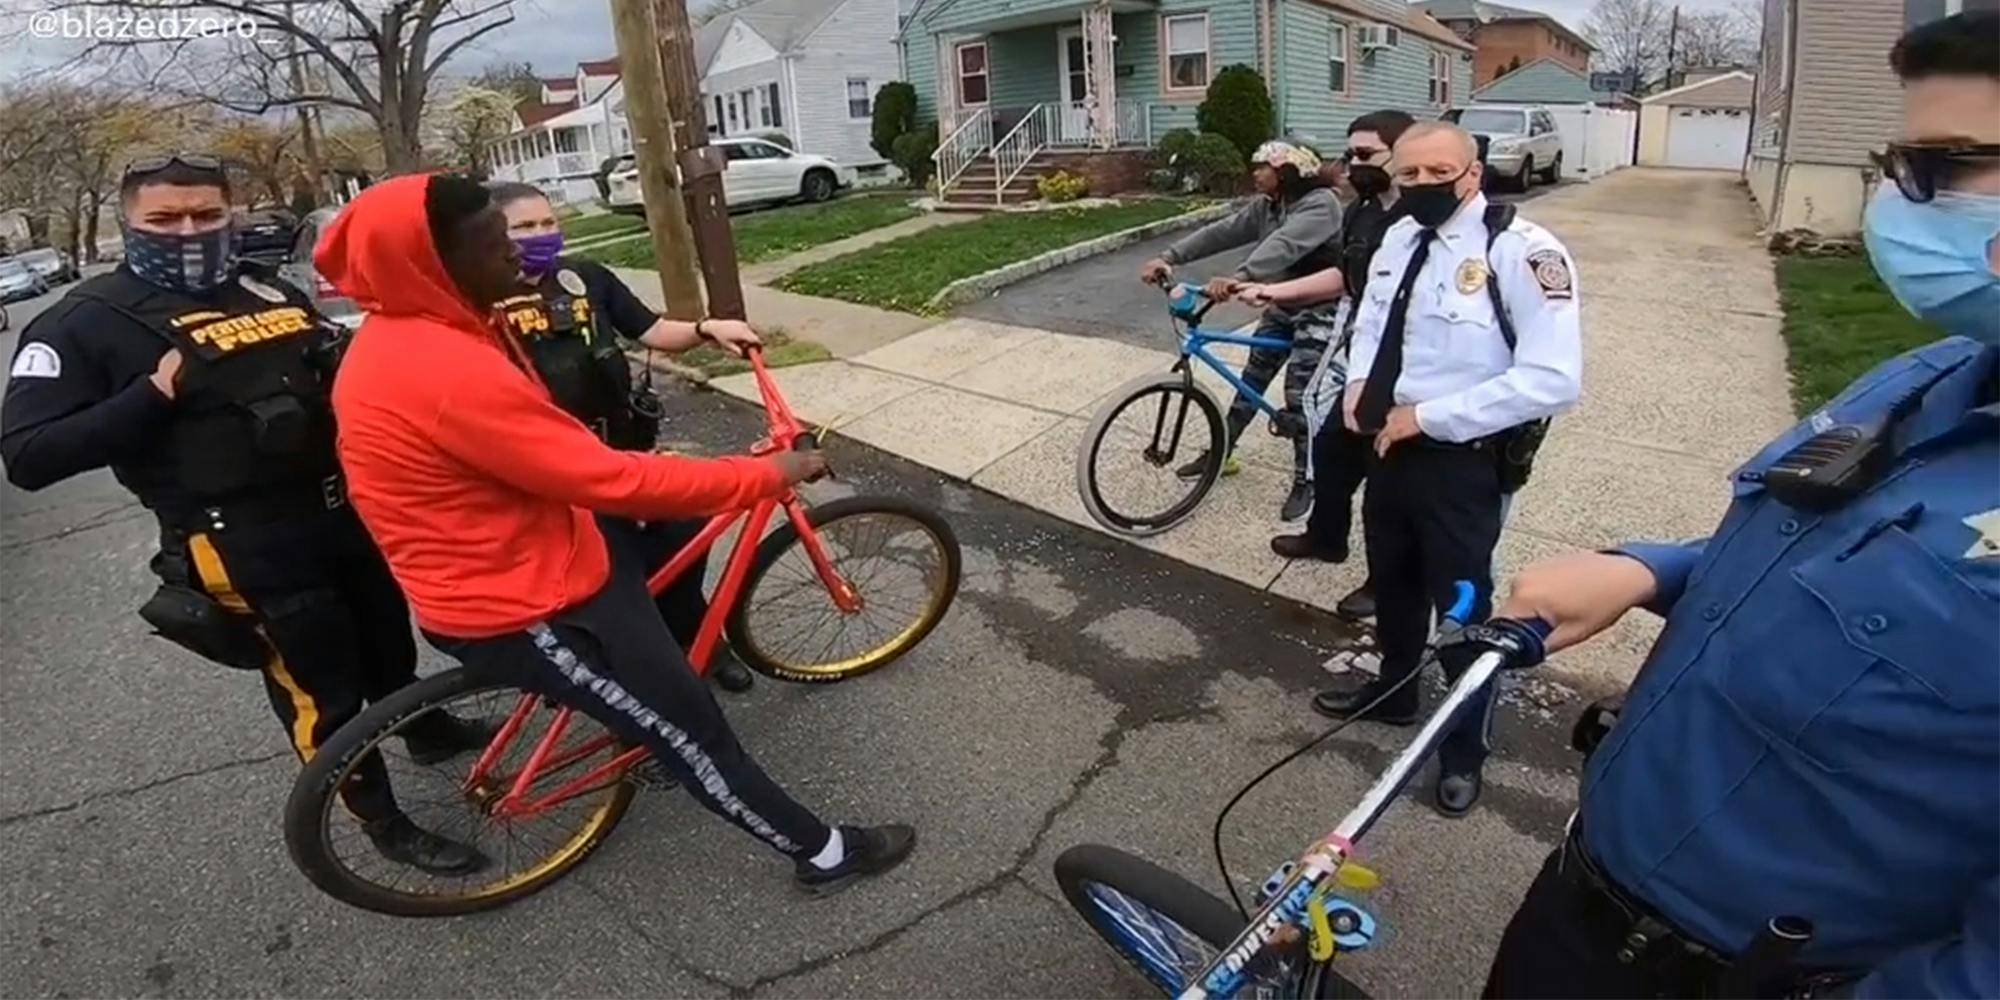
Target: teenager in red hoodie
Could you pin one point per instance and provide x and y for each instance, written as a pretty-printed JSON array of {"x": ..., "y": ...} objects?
[{"x": 481, "y": 493}]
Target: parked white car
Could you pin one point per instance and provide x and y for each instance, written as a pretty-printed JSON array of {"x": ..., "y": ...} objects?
[
  {"x": 1521, "y": 142},
  {"x": 754, "y": 172}
]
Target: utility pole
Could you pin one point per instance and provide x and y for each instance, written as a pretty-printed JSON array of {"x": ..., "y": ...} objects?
[
  {"x": 307, "y": 142},
  {"x": 701, "y": 166},
  {"x": 653, "y": 151},
  {"x": 1673, "y": 42}
]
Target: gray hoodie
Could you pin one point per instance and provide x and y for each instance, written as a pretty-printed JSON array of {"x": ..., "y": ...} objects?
[{"x": 1289, "y": 238}]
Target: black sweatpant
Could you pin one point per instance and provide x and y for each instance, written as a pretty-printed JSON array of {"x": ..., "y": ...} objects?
[
  {"x": 1340, "y": 461},
  {"x": 336, "y": 622},
  {"x": 613, "y": 658},
  {"x": 683, "y": 604},
  {"x": 1431, "y": 517}
]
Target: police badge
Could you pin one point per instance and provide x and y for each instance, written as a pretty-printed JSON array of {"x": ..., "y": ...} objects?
[
  {"x": 1471, "y": 275},
  {"x": 570, "y": 281}
]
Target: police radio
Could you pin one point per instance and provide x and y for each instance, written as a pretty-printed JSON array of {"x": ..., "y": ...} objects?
[{"x": 1833, "y": 467}]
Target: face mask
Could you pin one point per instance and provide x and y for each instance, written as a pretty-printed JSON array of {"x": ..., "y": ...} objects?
[
  {"x": 539, "y": 252},
  {"x": 177, "y": 263},
  {"x": 1368, "y": 181},
  {"x": 1933, "y": 257},
  {"x": 1430, "y": 204}
]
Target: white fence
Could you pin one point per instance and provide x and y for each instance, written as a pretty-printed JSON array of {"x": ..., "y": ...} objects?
[{"x": 1596, "y": 140}]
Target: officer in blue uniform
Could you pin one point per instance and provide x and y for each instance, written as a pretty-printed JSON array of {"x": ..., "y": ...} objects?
[{"x": 1801, "y": 793}]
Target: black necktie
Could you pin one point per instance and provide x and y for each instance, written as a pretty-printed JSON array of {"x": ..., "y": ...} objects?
[{"x": 1379, "y": 393}]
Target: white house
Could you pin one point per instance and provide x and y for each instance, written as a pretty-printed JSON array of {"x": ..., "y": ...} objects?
[
  {"x": 559, "y": 142},
  {"x": 807, "y": 68}
]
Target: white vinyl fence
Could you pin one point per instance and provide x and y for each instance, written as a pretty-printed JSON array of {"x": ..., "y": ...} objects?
[{"x": 1596, "y": 140}]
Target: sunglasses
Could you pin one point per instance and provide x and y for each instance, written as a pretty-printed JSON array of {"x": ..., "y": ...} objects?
[
  {"x": 154, "y": 164},
  {"x": 1921, "y": 170},
  {"x": 1357, "y": 153}
]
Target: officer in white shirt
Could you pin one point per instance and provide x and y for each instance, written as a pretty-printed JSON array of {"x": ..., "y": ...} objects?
[{"x": 1468, "y": 338}]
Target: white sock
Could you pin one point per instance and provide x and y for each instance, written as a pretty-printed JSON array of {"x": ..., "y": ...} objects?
[{"x": 832, "y": 854}]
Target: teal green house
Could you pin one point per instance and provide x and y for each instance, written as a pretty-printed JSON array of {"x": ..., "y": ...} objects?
[{"x": 1010, "y": 82}]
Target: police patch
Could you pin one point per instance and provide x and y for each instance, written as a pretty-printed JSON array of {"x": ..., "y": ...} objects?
[
  {"x": 37, "y": 360},
  {"x": 260, "y": 289},
  {"x": 571, "y": 281},
  {"x": 1552, "y": 273}
]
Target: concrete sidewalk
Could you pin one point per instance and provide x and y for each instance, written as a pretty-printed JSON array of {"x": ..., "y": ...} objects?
[
  {"x": 844, "y": 328},
  {"x": 1684, "y": 377}
]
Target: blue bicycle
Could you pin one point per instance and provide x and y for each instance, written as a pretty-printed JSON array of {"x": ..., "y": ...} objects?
[
  {"x": 1132, "y": 474},
  {"x": 1195, "y": 946}
]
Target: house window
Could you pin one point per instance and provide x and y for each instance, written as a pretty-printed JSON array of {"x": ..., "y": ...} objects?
[
  {"x": 1336, "y": 57},
  {"x": 735, "y": 121},
  {"x": 1916, "y": 12},
  {"x": 1187, "y": 52},
  {"x": 1392, "y": 35},
  {"x": 972, "y": 74},
  {"x": 715, "y": 119},
  {"x": 777, "y": 106},
  {"x": 1440, "y": 78},
  {"x": 566, "y": 140},
  {"x": 857, "y": 97}
]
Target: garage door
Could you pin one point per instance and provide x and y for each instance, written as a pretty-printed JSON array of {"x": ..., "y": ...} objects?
[{"x": 1707, "y": 137}]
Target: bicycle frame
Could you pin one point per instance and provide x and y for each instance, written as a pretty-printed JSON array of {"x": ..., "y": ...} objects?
[
  {"x": 785, "y": 433},
  {"x": 1195, "y": 340}
]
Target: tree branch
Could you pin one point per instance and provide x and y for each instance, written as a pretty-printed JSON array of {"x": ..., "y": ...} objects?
[{"x": 460, "y": 42}]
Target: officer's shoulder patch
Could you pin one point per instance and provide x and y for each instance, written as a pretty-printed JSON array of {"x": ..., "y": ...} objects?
[
  {"x": 36, "y": 360},
  {"x": 1552, "y": 273},
  {"x": 570, "y": 281}
]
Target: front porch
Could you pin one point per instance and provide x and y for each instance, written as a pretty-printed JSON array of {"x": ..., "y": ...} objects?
[{"x": 1015, "y": 93}]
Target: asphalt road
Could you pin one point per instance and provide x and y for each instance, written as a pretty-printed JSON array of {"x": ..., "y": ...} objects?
[
  {"x": 1082, "y": 689},
  {"x": 1102, "y": 296}
]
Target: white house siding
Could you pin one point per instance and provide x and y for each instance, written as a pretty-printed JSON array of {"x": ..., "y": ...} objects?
[
  {"x": 743, "y": 47},
  {"x": 1397, "y": 77},
  {"x": 752, "y": 76},
  {"x": 857, "y": 40},
  {"x": 1845, "y": 101}
]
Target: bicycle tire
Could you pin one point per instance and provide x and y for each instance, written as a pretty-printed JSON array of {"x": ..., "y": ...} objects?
[
  {"x": 1168, "y": 895},
  {"x": 744, "y": 640},
  {"x": 315, "y": 794},
  {"x": 1090, "y": 491}
]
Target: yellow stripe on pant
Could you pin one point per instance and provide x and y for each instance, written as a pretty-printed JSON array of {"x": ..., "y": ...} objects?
[{"x": 215, "y": 579}]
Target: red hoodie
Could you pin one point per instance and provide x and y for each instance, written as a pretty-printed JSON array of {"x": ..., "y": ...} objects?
[{"x": 476, "y": 486}]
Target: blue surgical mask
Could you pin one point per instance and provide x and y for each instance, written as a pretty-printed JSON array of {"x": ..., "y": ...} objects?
[
  {"x": 1934, "y": 257},
  {"x": 196, "y": 263}
]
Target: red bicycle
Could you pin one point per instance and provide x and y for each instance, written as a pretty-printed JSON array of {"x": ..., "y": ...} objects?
[{"x": 835, "y": 591}]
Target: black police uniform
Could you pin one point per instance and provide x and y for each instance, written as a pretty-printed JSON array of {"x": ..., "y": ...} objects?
[
  {"x": 263, "y": 566},
  {"x": 571, "y": 325}
]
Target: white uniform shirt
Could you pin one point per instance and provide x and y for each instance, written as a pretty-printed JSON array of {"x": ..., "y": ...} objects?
[{"x": 1457, "y": 370}]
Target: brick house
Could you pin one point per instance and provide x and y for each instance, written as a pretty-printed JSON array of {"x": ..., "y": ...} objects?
[{"x": 1508, "y": 38}]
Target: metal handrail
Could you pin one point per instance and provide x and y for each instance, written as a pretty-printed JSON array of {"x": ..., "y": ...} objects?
[
  {"x": 1028, "y": 137},
  {"x": 957, "y": 152}
]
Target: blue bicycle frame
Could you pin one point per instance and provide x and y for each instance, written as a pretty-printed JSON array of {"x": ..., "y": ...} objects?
[{"x": 1187, "y": 304}]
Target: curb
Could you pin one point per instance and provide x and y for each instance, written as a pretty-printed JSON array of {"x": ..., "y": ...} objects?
[{"x": 980, "y": 285}]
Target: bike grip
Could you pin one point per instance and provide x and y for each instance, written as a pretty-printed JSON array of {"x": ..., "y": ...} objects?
[
  {"x": 1461, "y": 602},
  {"x": 1533, "y": 636}
]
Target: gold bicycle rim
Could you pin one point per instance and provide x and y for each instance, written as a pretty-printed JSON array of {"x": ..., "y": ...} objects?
[{"x": 882, "y": 653}]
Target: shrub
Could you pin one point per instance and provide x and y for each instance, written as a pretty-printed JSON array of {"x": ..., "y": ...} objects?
[
  {"x": 895, "y": 117},
  {"x": 1172, "y": 148},
  {"x": 1062, "y": 186},
  {"x": 1238, "y": 106},
  {"x": 1166, "y": 181},
  {"x": 1214, "y": 163},
  {"x": 912, "y": 151},
  {"x": 776, "y": 138}
]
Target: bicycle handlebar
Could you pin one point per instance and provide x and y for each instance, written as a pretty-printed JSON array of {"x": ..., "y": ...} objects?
[{"x": 1186, "y": 301}]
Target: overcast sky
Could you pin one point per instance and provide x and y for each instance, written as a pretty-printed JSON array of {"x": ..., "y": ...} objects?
[{"x": 554, "y": 35}]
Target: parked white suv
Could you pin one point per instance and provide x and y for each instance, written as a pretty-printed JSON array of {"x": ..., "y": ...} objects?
[
  {"x": 1522, "y": 142},
  {"x": 755, "y": 171}
]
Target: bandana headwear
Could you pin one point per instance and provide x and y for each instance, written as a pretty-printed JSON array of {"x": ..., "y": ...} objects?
[{"x": 1276, "y": 154}]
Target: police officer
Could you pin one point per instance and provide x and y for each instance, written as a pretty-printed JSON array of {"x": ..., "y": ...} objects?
[
  {"x": 202, "y": 383},
  {"x": 571, "y": 319},
  {"x": 1468, "y": 338},
  {"x": 1340, "y": 457},
  {"x": 1801, "y": 785}
]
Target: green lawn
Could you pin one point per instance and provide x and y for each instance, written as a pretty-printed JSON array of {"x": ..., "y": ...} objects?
[
  {"x": 904, "y": 274},
  {"x": 585, "y": 227},
  {"x": 780, "y": 351},
  {"x": 1839, "y": 322},
  {"x": 777, "y": 232}
]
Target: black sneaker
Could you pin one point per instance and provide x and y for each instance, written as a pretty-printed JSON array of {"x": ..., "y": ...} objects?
[
  {"x": 1302, "y": 546},
  {"x": 870, "y": 851},
  {"x": 1458, "y": 793},
  {"x": 404, "y": 842},
  {"x": 729, "y": 672},
  {"x": 1298, "y": 503},
  {"x": 1359, "y": 603},
  {"x": 439, "y": 736}
]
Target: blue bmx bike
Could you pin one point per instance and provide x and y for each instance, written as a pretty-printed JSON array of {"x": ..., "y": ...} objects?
[{"x": 1157, "y": 447}]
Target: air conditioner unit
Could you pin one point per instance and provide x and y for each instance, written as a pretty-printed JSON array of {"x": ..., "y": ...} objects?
[{"x": 1374, "y": 36}]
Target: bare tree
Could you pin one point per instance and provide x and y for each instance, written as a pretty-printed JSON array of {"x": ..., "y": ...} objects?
[
  {"x": 469, "y": 122},
  {"x": 77, "y": 139},
  {"x": 1630, "y": 35},
  {"x": 378, "y": 58},
  {"x": 515, "y": 79},
  {"x": 713, "y": 9},
  {"x": 1714, "y": 38},
  {"x": 265, "y": 152}
]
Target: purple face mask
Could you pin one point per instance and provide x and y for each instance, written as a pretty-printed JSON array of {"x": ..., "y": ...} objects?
[{"x": 538, "y": 252}]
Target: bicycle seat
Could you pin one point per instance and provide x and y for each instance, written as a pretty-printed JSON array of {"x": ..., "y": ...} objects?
[{"x": 1186, "y": 302}]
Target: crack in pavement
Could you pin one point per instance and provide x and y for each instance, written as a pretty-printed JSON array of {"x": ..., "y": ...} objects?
[
  {"x": 673, "y": 956},
  {"x": 116, "y": 515},
  {"x": 124, "y": 793}
]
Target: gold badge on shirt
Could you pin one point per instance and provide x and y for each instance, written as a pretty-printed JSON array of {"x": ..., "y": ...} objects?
[
  {"x": 1471, "y": 275},
  {"x": 570, "y": 281}
]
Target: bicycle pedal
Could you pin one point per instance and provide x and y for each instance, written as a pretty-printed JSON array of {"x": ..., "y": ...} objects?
[
  {"x": 651, "y": 776},
  {"x": 1338, "y": 924}
]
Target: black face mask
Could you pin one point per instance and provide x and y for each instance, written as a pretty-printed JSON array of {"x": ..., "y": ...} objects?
[
  {"x": 1430, "y": 204},
  {"x": 1368, "y": 181}
]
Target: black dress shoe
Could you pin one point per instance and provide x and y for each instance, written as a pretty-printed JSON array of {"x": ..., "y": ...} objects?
[
  {"x": 1341, "y": 704},
  {"x": 729, "y": 672},
  {"x": 1302, "y": 546},
  {"x": 1458, "y": 793},
  {"x": 406, "y": 843},
  {"x": 1359, "y": 603},
  {"x": 870, "y": 851},
  {"x": 439, "y": 736}
]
